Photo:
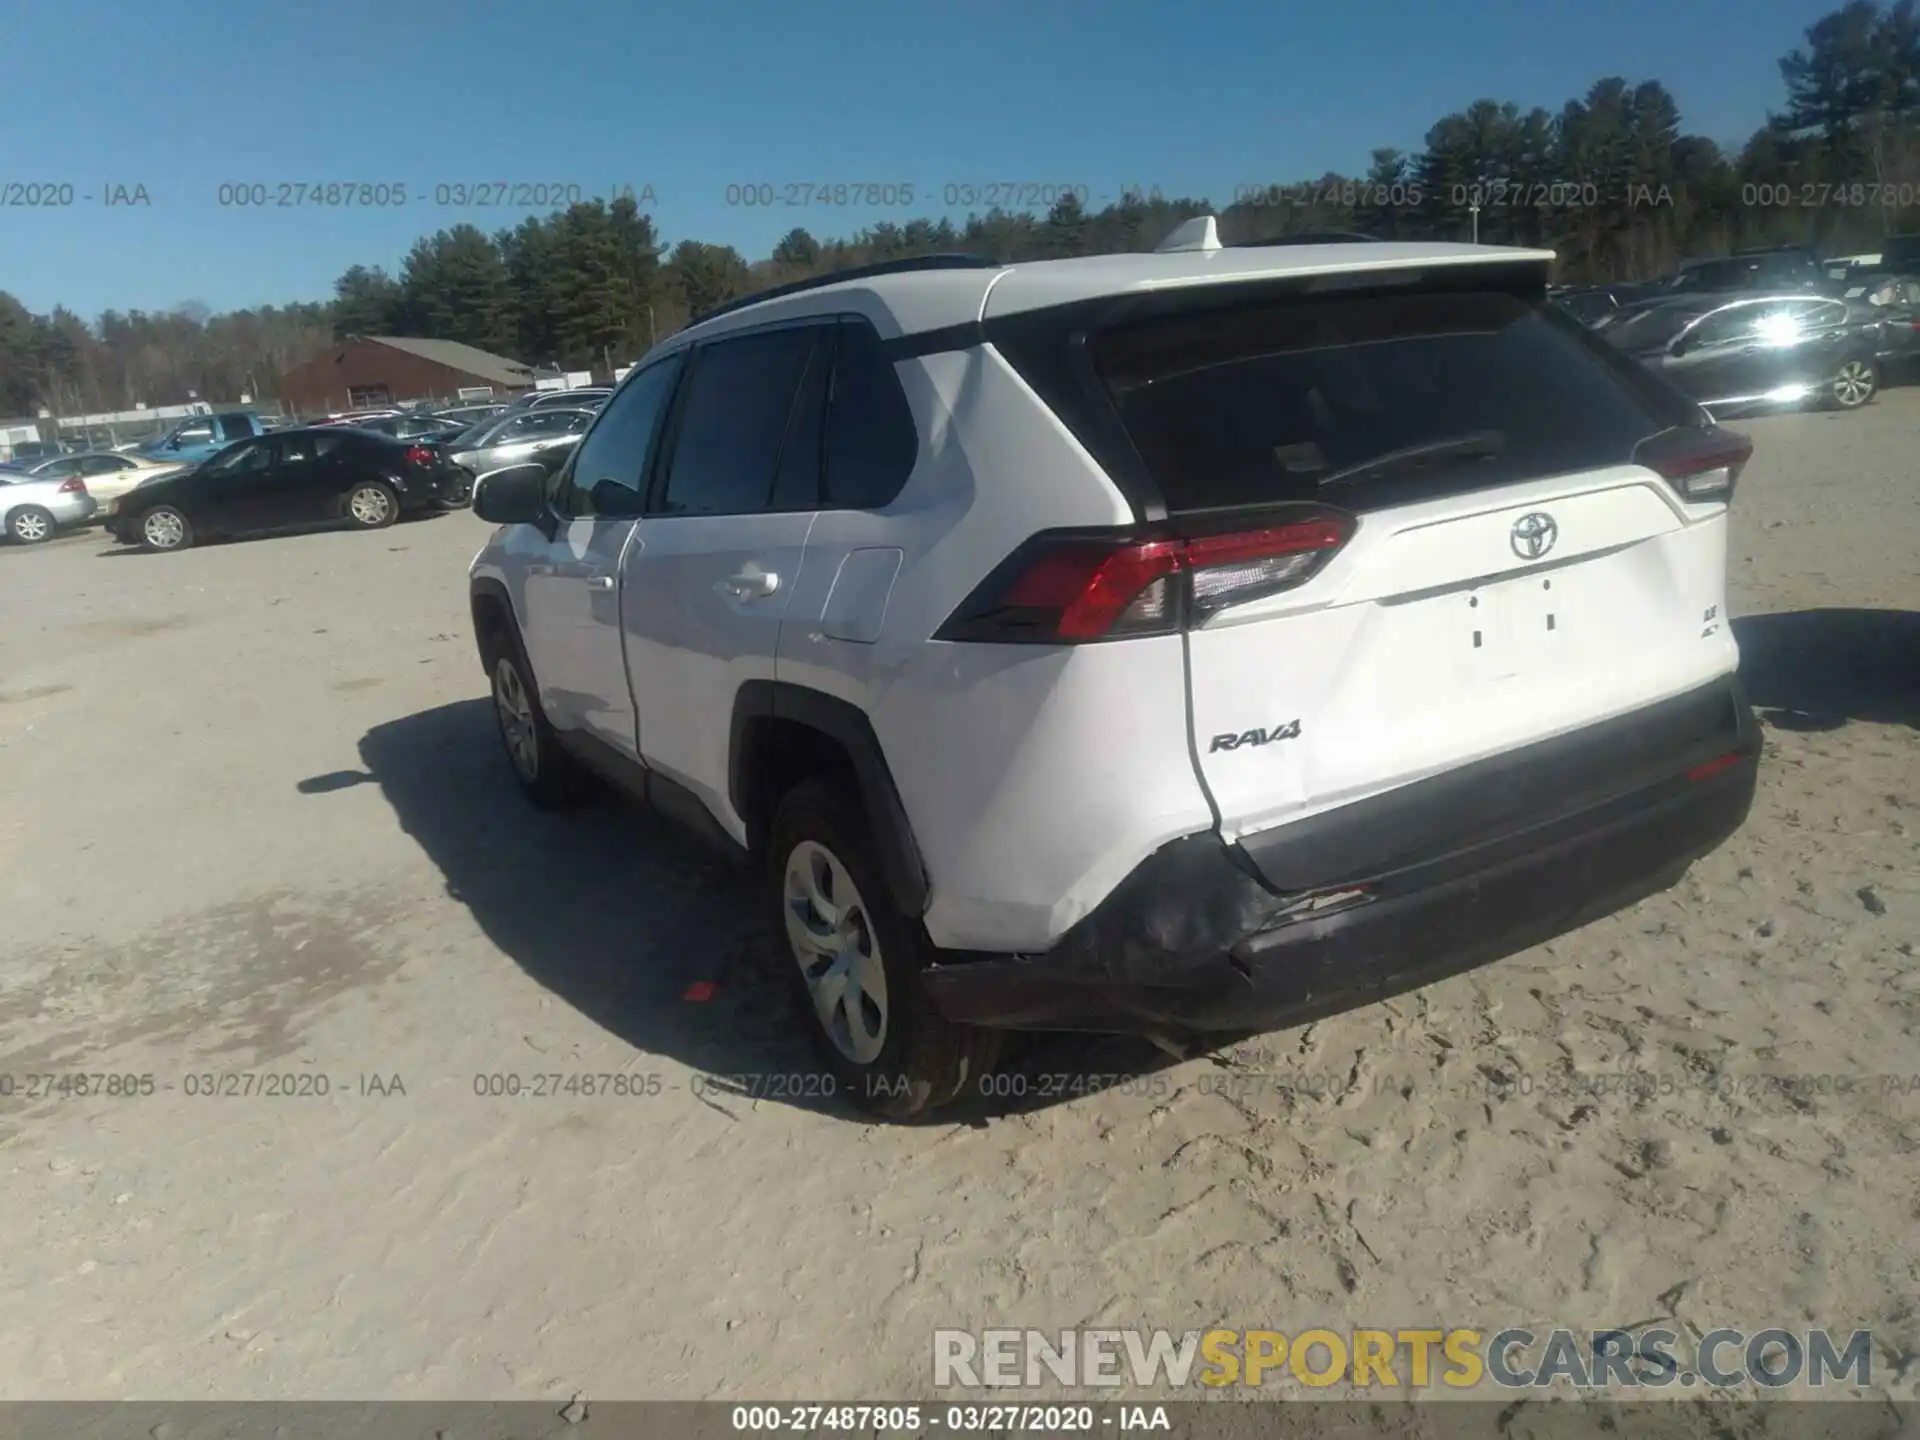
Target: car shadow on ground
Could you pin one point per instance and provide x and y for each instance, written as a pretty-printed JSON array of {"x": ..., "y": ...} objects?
[
  {"x": 113, "y": 548},
  {"x": 1815, "y": 670},
  {"x": 652, "y": 935}
]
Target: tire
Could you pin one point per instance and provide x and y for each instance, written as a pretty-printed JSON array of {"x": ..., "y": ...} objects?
[
  {"x": 164, "y": 527},
  {"x": 1853, "y": 385},
  {"x": 891, "y": 1052},
  {"x": 30, "y": 525},
  {"x": 371, "y": 505},
  {"x": 549, "y": 777}
]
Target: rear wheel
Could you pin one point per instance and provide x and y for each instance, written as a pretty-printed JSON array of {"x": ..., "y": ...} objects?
[
  {"x": 854, "y": 962},
  {"x": 372, "y": 505},
  {"x": 30, "y": 525},
  {"x": 1856, "y": 383},
  {"x": 165, "y": 528}
]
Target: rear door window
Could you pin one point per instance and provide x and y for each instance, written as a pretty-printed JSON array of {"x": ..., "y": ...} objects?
[
  {"x": 1367, "y": 401},
  {"x": 1736, "y": 322},
  {"x": 739, "y": 397}
]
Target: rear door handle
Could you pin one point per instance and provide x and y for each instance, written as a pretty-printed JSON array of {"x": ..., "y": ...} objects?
[
  {"x": 600, "y": 582},
  {"x": 751, "y": 584}
]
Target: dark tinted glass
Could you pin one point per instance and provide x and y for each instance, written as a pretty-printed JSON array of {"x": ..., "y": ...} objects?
[
  {"x": 1717, "y": 275},
  {"x": 609, "y": 472},
  {"x": 1265, "y": 404},
  {"x": 245, "y": 459},
  {"x": 731, "y": 427},
  {"x": 871, "y": 441},
  {"x": 1653, "y": 327},
  {"x": 797, "y": 485},
  {"x": 1737, "y": 322}
]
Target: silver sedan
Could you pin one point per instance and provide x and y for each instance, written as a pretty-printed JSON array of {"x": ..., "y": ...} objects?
[
  {"x": 32, "y": 510},
  {"x": 528, "y": 437}
]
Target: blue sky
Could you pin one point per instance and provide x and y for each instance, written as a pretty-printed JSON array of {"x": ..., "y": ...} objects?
[{"x": 183, "y": 96}]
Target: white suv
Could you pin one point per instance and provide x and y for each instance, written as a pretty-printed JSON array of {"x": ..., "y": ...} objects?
[{"x": 1173, "y": 643}]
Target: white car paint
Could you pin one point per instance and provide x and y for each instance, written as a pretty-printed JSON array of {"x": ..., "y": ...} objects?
[{"x": 1035, "y": 778}]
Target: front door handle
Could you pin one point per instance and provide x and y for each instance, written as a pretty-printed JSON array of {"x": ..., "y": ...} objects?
[
  {"x": 751, "y": 584},
  {"x": 600, "y": 582}
]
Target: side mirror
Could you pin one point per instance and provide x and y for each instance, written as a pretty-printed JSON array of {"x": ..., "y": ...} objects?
[{"x": 516, "y": 495}]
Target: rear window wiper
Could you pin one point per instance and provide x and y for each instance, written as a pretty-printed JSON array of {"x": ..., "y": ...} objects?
[{"x": 1474, "y": 445}]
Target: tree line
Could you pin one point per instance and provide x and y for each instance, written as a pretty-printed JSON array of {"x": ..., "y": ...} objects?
[{"x": 1612, "y": 181}]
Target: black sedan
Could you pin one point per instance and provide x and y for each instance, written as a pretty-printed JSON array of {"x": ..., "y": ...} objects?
[
  {"x": 289, "y": 478},
  {"x": 1748, "y": 352}
]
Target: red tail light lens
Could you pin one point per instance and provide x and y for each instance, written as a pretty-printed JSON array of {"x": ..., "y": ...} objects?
[
  {"x": 1719, "y": 765},
  {"x": 72, "y": 486},
  {"x": 1701, "y": 463},
  {"x": 420, "y": 455},
  {"x": 1066, "y": 588}
]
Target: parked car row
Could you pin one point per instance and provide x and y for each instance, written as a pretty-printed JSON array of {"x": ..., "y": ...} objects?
[
  {"x": 1749, "y": 352},
  {"x": 234, "y": 473},
  {"x": 292, "y": 477},
  {"x": 1763, "y": 329}
]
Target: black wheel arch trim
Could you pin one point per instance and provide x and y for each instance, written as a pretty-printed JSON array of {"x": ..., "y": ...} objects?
[
  {"x": 488, "y": 591},
  {"x": 849, "y": 728}
]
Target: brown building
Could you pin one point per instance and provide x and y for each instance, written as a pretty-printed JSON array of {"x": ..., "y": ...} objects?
[{"x": 368, "y": 370}]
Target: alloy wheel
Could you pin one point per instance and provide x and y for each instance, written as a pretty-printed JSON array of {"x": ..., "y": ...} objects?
[
  {"x": 29, "y": 528},
  {"x": 163, "y": 530},
  {"x": 517, "y": 727},
  {"x": 370, "y": 505},
  {"x": 838, "y": 953},
  {"x": 1854, "y": 385}
]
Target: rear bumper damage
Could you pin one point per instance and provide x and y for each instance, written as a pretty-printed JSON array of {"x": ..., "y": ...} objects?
[{"x": 1391, "y": 893}]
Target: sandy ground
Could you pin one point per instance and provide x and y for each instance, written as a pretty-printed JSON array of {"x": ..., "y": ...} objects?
[{"x": 253, "y": 820}]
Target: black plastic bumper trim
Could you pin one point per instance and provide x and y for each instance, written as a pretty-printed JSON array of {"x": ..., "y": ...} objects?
[{"x": 1195, "y": 940}]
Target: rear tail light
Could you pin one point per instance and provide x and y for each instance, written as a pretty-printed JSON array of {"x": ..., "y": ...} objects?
[
  {"x": 1063, "y": 588},
  {"x": 1701, "y": 463},
  {"x": 420, "y": 455},
  {"x": 73, "y": 486}
]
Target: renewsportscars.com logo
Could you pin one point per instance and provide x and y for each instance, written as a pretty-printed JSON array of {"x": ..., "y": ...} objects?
[{"x": 1514, "y": 1358}]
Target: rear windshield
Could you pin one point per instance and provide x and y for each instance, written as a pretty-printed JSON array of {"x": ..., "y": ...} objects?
[{"x": 1365, "y": 401}]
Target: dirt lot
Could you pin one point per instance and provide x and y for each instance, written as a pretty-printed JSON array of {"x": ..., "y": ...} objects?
[{"x": 254, "y": 821}]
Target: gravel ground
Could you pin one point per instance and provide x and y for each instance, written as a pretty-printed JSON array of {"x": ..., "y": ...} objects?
[{"x": 254, "y": 822}]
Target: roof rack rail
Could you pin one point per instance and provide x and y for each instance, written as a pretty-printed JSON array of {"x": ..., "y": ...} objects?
[{"x": 945, "y": 261}]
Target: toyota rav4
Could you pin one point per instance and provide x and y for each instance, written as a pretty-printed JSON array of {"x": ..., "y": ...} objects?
[{"x": 1173, "y": 643}]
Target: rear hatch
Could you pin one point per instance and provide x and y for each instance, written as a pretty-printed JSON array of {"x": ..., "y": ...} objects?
[{"x": 1494, "y": 560}]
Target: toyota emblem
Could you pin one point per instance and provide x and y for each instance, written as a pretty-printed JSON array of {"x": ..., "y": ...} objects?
[{"x": 1533, "y": 535}]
